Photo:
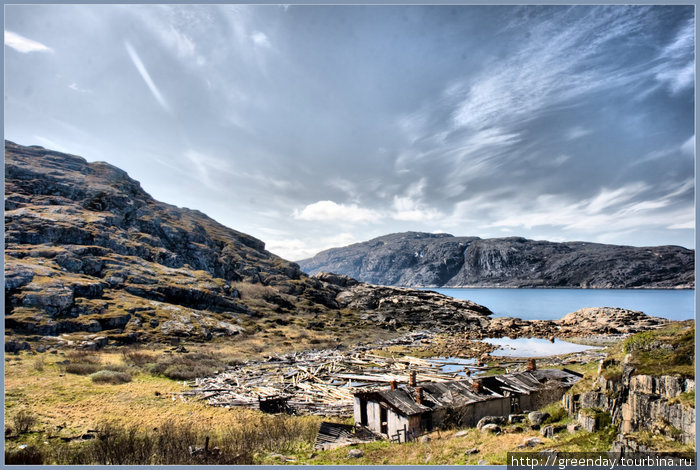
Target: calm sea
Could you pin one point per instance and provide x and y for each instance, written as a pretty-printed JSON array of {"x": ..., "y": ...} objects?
[{"x": 552, "y": 304}]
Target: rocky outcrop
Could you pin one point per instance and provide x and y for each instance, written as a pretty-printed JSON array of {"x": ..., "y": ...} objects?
[
  {"x": 395, "y": 307},
  {"x": 639, "y": 403},
  {"x": 416, "y": 259},
  {"x": 586, "y": 322},
  {"x": 87, "y": 250}
]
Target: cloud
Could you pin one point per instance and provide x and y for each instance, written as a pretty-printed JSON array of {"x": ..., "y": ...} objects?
[
  {"x": 74, "y": 86},
  {"x": 410, "y": 207},
  {"x": 576, "y": 132},
  {"x": 146, "y": 77},
  {"x": 688, "y": 147},
  {"x": 677, "y": 68},
  {"x": 24, "y": 45},
  {"x": 296, "y": 249},
  {"x": 328, "y": 211},
  {"x": 260, "y": 39},
  {"x": 625, "y": 208}
]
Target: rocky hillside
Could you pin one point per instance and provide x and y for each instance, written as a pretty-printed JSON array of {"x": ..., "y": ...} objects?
[
  {"x": 89, "y": 254},
  {"x": 431, "y": 260},
  {"x": 646, "y": 389}
]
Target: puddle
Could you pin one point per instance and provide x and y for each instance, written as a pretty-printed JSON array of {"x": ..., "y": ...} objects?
[
  {"x": 453, "y": 365},
  {"x": 534, "y": 347}
]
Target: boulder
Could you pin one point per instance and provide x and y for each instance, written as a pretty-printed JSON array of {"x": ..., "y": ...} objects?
[
  {"x": 355, "y": 454},
  {"x": 530, "y": 442},
  {"x": 492, "y": 428},
  {"x": 490, "y": 420},
  {"x": 537, "y": 417}
]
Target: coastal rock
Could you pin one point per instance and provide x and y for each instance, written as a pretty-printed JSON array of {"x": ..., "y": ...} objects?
[{"x": 609, "y": 320}]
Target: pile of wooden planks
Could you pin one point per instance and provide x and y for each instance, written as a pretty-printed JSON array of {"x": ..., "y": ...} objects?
[{"x": 315, "y": 382}]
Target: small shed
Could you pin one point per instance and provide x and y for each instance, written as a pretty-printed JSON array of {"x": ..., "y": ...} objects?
[{"x": 401, "y": 414}]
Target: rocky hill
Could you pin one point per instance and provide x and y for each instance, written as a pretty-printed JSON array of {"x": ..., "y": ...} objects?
[
  {"x": 416, "y": 259},
  {"x": 89, "y": 255}
]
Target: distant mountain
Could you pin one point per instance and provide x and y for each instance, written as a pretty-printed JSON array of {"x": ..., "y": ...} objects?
[{"x": 417, "y": 259}]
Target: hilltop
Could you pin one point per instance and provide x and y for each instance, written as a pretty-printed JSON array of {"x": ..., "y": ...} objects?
[
  {"x": 415, "y": 259},
  {"x": 91, "y": 258}
]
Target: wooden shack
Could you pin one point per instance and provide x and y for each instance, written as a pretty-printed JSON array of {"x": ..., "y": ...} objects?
[{"x": 404, "y": 413}]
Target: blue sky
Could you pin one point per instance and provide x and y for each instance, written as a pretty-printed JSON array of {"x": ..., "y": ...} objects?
[{"x": 317, "y": 126}]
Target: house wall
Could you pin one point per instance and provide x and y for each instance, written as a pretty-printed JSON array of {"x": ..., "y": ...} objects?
[
  {"x": 356, "y": 411},
  {"x": 396, "y": 423},
  {"x": 373, "y": 417},
  {"x": 494, "y": 407},
  {"x": 546, "y": 396}
]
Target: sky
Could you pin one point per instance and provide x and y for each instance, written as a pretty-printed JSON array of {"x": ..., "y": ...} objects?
[{"x": 311, "y": 127}]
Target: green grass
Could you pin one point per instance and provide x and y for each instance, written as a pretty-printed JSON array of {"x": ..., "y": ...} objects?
[{"x": 686, "y": 399}]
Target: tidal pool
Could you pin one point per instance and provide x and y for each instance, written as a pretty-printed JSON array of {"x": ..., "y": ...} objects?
[{"x": 534, "y": 347}]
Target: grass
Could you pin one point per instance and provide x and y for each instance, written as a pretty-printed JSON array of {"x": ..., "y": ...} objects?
[
  {"x": 669, "y": 350},
  {"x": 110, "y": 377},
  {"x": 686, "y": 399},
  {"x": 68, "y": 405},
  {"x": 175, "y": 443}
]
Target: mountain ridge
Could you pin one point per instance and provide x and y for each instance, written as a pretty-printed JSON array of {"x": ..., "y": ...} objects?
[{"x": 416, "y": 259}]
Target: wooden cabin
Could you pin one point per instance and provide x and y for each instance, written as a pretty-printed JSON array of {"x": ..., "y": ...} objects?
[{"x": 404, "y": 413}]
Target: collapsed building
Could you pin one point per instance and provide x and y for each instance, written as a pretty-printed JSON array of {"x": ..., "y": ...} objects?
[{"x": 404, "y": 413}]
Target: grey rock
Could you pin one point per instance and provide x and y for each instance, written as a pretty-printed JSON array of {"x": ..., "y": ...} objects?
[
  {"x": 547, "y": 431},
  {"x": 461, "y": 433},
  {"x": 471, "y": 451},
  {"x": 490, "y": 420},
  {"x": 355, "y": 454},
  {"x": 530, "y": 442},
  {"x": 17, "y": 346},
  {"x": 492, "y": 428},
  {"x": 573, "y": 427},
  {"x": 537, "y": 417}
]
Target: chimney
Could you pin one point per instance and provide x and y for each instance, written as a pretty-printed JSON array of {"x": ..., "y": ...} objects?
[
  {"x": 531, "y": 365},
  {"x": 419, "y": 395},
  {"x": 412, "y": 379},
  {"x": 392, "y": 384},
  {"x": 476, "y": 385}
]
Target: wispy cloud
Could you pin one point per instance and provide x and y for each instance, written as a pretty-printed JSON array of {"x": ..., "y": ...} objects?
[
  {"x": 146, "y": 76},
  {"x": 577, "y": 132},
  {"x": 74, "y": 86},
  {"x": 24, "y": 45}
]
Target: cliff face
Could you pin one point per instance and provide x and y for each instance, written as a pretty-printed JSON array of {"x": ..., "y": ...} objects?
[
  {"x": 646, "y": 388},
  {"x": 422, "y": 259}
]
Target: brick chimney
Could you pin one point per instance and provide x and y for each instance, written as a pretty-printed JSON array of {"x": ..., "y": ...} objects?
[
  {"x": 392, "y": 384},
  {"x": 419, "y": 395},
  {"x": 531, "y": 365},
  {"x": 412, "y": 379},
  {"x": 476, "y": 385}
]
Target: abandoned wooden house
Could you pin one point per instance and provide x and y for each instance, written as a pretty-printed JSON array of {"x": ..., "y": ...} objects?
[{"x": 404, "y": 413}]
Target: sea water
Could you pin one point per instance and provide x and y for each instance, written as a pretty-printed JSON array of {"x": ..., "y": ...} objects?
[{"x": 552, "y": 304}]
